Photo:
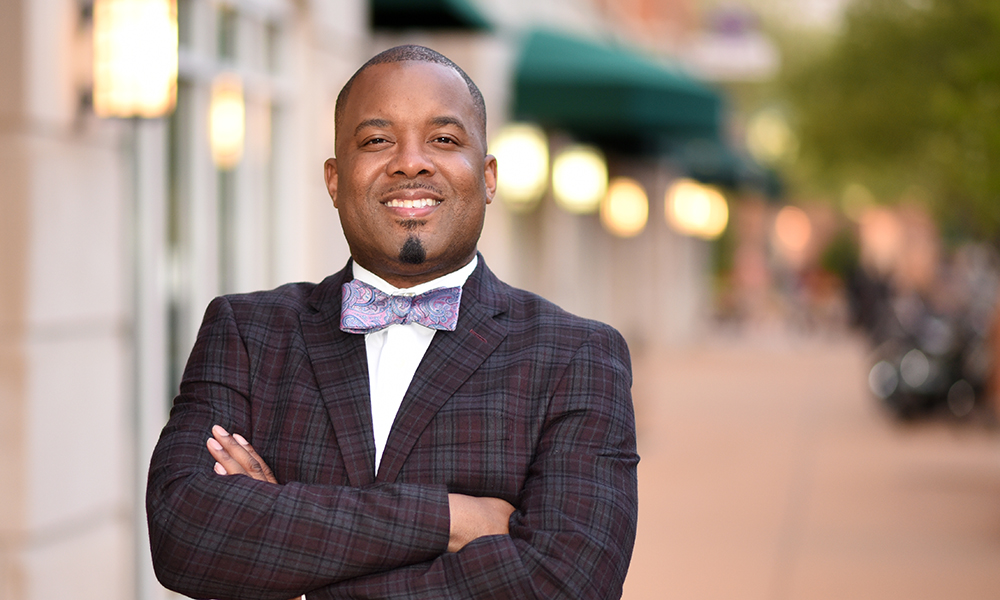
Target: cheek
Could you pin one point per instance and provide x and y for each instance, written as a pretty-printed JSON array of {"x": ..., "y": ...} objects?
[{"x": 356, "y": 219}]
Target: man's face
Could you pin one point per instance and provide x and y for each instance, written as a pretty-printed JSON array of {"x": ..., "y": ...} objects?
[{"x": 411, "y": 180}]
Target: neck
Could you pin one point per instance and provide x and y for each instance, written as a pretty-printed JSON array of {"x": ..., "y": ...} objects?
[
  {"x": 402, "y": 277},
  {"x": 455, "y": 278}
]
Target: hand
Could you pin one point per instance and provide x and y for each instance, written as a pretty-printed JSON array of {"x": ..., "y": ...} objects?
[
  {"x": 473, "y": 517},
  {"x": 235, "y": 456}
]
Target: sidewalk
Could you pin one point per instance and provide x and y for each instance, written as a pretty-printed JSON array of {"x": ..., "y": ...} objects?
[{"x": 768, "y": 473}]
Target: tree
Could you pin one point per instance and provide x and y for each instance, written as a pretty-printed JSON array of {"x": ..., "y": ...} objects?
[{"x": 908, "y": 98}]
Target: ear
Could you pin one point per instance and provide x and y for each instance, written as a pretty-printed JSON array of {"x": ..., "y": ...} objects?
[
  {"x": 490, "y": 173},
  {"x": 330, "y": 173}
]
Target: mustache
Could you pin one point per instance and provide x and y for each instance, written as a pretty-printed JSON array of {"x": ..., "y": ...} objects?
[{"x": 413, "y": 185}]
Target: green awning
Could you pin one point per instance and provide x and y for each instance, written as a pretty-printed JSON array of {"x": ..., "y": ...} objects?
[
  {"x": 711, "y": 161},
  {"x": 598, "y": 90},
  {"x": 427, "y": 14}
]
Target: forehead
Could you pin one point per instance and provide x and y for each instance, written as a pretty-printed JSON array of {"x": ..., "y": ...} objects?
[{"x": 408, "y": 89}]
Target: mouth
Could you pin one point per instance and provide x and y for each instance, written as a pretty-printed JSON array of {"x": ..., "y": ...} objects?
[{"x": 412, "y": 203}]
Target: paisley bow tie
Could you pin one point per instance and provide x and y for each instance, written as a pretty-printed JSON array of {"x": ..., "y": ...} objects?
[{"x": 366, "y": 309}]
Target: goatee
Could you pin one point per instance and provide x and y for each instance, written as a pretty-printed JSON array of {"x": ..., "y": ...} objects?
[{"x": 412, "y": 252}]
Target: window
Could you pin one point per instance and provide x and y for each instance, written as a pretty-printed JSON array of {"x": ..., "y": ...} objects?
[{"x": 221, "y": 221}]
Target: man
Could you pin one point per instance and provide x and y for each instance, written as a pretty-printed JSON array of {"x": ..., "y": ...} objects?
[{"x": 492, "y": 457}]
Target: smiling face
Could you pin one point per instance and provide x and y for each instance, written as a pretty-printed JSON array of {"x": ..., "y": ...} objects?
[{"x": 412, "y": 179}]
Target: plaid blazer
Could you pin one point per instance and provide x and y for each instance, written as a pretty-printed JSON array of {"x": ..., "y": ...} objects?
[{"x": 523, "y": 401}]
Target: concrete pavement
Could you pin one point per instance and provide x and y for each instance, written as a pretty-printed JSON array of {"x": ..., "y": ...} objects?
[{"x": 768, "y": 473}]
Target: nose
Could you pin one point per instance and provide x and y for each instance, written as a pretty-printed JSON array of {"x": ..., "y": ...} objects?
[{"x": 411, "y": 159}]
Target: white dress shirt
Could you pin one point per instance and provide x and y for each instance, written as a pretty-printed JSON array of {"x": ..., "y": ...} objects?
[{"x": 395, "y": 352}]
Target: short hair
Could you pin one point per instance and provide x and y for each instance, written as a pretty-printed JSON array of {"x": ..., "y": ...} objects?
[{"x": 411, "y": 52}]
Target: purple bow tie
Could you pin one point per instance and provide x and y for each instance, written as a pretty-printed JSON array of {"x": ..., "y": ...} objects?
[{"x": 366, "y": 309}]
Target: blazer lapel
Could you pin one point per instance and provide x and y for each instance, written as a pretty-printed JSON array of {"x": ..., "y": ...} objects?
[
  {"x": 340, "y": 364},
  {"x": 449, "y": 361}
]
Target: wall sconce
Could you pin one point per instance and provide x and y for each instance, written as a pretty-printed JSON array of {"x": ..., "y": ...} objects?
[
  {"x": 522, "y": 153},
  {"x": 579, "y": 179},
  {"x": 135, "y": 58},
  {"x": 227, "y": 121},
  {"x": 625, "y": 209},
  {"x": 696, "y": 210}
]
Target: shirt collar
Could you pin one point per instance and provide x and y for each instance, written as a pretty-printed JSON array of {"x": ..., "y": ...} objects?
[{"x": 456, "y": 278}]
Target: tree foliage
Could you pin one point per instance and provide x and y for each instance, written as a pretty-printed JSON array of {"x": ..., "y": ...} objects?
[{"x": 908, "y": 98}]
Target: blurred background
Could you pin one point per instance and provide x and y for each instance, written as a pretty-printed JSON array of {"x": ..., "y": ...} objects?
[{"x": 788, "y": 207}]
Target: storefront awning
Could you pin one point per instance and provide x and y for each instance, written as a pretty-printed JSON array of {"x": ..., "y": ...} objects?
[
  {"x": 427, "y": 14},
  {"x": 711, "y": 161},
  {"x": 597, "y": 90}
]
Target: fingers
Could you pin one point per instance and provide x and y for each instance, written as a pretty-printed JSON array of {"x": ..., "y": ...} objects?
[
  {"x": 235, "y": 456},
  {"x": 258, "y": 462},
  {"x": 225, "y": 463}
]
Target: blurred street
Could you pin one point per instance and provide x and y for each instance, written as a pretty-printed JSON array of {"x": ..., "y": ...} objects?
[{"x": 768, "y": 472}]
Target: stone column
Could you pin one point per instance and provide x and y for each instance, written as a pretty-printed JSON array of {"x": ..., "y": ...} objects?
[{"x": 66, "y": 504}]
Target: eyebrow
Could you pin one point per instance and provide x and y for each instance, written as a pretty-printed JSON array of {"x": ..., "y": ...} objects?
[
  {"x": 371, "y": 123},
  {"x": 436, "y": 121},
  {"x": 445, "y": 120}
]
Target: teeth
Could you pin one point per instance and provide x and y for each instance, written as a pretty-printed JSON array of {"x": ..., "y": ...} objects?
[{"x": 418, "y": 203}]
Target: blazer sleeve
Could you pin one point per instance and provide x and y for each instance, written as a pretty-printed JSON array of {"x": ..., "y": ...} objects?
[
  {"x": 572, "y": 533},
  {"x": 216, "y": 536}
]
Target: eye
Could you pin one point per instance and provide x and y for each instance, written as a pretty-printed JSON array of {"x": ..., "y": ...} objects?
[
  {"x": 375, "y": 141},
  {"x": 444, "y": 139}
]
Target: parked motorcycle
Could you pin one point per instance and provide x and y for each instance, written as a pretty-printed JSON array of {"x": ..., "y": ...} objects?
[
  {"x": 929, "y": 362},
  {"x": 929, "y": 359}
]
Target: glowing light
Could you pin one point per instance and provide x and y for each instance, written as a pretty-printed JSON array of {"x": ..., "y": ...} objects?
[
  {"x": 579, "y": 179},
  {"x": 135, "y": 58},
  {"x": 881, "y": 236},
  {"x": 696, "y": 210},
  {"x": 883, "y": 379},
  {"x": 625, "y": 209},
  {"x": 769, "y": 138},
  {"x": 792, "y": 230},
  {"x": 522, "y": 153},
  {"x": 227, "y": 121},
  {"x": 915, "y": 368}
]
